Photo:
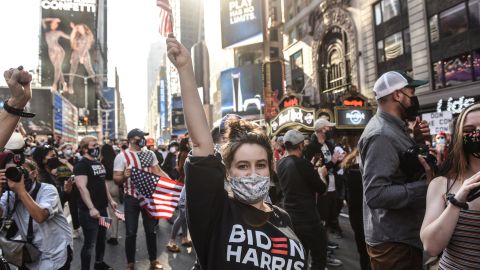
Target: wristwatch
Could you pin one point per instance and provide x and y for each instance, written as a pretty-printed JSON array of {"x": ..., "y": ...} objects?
[{"x": 452, "y": 200}]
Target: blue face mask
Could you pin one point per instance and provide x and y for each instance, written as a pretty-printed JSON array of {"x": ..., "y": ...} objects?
[{"x": 441, "y": 141}]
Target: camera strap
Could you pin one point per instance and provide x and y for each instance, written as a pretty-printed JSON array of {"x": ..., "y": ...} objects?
[{"x": 30, "y": 220}]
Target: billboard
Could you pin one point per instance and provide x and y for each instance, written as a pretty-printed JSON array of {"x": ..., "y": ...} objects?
[
  {"x": 41, "y": 104},
  {"x": 353, "y": 117},
  {"x": 108, "y": 115},
  {"x": 162, "y": 103},
  {"x": 67, "y": 42},
  {"x": 242, "y": 91},
  {"x": 242, "y": 22},
  {"x": 65, "y": 119}
]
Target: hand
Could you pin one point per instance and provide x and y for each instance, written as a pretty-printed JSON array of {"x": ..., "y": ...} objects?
[
  {"x": 322, "y": 171},
  {"x": 94, "y": 213},
  {"x": 19, "y": 83},
  {"x": 428, "y": 169},
  {"x": 421, "y": 131},
  {"x": 17, "y": 187},
  {"x": 467, "y": 186},
  {"x": 63, "y": 161},
  {"x": 177, "y": 53},
  {"x": 127, "y": 173},
  {"x": 68, "y": 186},
  {"x": 114, "y": 205}
]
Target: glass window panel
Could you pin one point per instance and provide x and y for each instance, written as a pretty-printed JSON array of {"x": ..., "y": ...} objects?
[
  {"x": 453, "y": 21},
  {"x": 434, "y": 33},
  {"x": 457, "y": 70},
  {"x": 406, "y": 38},
  {"x": 378, "y": 14},
  {"x": 380, "y": 52},
  {"x": 390, "y": 9},
  {"x": 393, "y": 46},
  {"x": 476, "y": 64},
  {"x": 474, "y": 7},
  {"x": 437, "y": 75}
]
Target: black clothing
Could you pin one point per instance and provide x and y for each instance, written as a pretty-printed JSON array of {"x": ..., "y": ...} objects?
[
  {"x": 108, "y": 169},
  {"x": 299, "y": 183},
  {"x": 159, "y": 157},
  {"x": 228, "y": 234},
  {"x": 95, "y": 172},
  {"x": 170, "y": 164}
]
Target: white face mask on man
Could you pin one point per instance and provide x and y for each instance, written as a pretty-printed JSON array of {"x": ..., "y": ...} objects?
[{"x": 173, "y": 150}]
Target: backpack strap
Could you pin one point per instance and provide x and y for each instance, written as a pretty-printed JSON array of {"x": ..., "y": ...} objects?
[{"x": 30, "y": 220}]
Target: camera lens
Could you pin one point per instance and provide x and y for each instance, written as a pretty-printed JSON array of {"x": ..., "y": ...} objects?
[{"x": 14, "y": 174}]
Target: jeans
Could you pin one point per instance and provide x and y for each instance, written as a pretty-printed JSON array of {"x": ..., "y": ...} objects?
[
  {"x": 132, "y": 211},
  {"x": 181, "y": 221},
  {"x": 313, "y": 237},
  {"x": 94, "y": 235},
  {"x": 327, "y": 206}
]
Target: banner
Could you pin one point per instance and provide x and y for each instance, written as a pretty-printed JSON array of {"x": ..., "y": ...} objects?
[
  {"x": 292, "y": 116},
  {"x": 439, "y": 121},
  {"x": 242, "y": 91},
  {"x": 108, "y": 115},
  {"x": 67, "y": 43},
  {"x": 242, "y": 22},
  {"x": 162, "y": 103},
  {"x": 65, "y": 120}
]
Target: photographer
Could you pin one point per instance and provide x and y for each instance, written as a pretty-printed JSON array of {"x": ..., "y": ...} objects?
[
  {"x": 394, "y": 203},
  {"x": 44, "y": 213}
]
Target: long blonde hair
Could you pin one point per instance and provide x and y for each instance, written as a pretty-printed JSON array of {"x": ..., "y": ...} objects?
[{"x": 456, "y": 163}]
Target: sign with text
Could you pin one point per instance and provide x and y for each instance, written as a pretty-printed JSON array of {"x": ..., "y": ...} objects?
[
  {"x": 352, "y": 118},
  {"x": 242, "y": 22},
  {"x": 292, "y": 116},
  {"x": 438, "y": 121},
  {"x": 454, "y": 105}
]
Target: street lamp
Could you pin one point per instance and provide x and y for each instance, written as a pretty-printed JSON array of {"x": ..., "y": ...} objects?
[{"x": 85, "y": 83}]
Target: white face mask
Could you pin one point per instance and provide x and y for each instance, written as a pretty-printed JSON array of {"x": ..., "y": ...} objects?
[
  {"x": 250, "y": 189},
  {"x": 68, "y": 152},
  {"x": 173, "y": 150}
]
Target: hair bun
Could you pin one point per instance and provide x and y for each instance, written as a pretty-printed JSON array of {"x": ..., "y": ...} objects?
[{"x": 239, "y": 127}]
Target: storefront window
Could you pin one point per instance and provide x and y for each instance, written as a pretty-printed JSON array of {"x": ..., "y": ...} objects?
[
  {"x": 437, "y": 75},
  {"x": 457, "y": 70},
  {"x": 393, "y": 46},
  {"x": 380, "y": 52},
  {"x": 434, "y": 33},
  {"x": 474, "y": 7},
  {"x": 476, "y": 64},
  {"x": 453, "y": 21}
]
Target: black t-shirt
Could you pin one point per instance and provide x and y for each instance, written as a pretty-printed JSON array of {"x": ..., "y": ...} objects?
[
  {"x": 227, "y": 234},
  {"x": 299, "y": 182},
  {"x": 95, "y": 172}
]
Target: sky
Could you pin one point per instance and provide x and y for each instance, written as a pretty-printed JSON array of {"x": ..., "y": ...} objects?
[{"x": 132, "y": 27}]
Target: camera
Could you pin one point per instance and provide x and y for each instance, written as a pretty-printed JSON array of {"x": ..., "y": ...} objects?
[
  {"x": 410, "y": 164},
  {"x": 15, "y": 173}
]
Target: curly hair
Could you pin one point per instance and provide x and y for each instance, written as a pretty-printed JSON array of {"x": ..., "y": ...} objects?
[{"x": 240, "y": 132}]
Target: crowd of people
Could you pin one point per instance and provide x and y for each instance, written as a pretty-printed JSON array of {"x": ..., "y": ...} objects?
[{"x": 249, "y": 201}]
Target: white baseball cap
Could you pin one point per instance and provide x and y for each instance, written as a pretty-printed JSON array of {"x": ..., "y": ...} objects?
[
  {"x": 392, "y": 81},
  {"x": 293, "y": 136},
  {"x": 321, "y": 123},
  {"x": 15, "y": 142}
]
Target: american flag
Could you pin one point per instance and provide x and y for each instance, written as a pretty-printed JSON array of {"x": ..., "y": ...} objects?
[
  {"x": 119, "y": 214},
  {"x": 105, "y": 222},
  {"x": 158, "y": 195},
  {"x": 166, "y": 21}
]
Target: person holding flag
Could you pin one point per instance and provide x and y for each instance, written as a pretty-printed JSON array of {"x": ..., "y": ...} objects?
[
  {"x": 139, "y": 158},
  {"x": 92, "y": 208}
]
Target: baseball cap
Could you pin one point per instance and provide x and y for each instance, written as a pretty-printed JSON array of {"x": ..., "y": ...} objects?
[
  {"x": 15, "y": 142},
  {"x": 136, "y": 132},
  {"x": 293, "y": 136},
  {"x": 321, "y": 123},
  {"x": 391, "y": 81},
  {"x": 150, "y": 142}
]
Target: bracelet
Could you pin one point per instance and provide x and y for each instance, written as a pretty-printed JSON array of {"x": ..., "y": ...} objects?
[
  {"x": 16, "y": 112},
  {"x": 453, "y": 201}
]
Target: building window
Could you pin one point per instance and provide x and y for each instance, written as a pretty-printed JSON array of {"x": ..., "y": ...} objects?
[
  {"x": 298, "y": 79},
  {"x": 380, "y": 52},
  {"x": 453, "y": 71},
  {"x": 273, "y": 34},
  {"x": 434, "y": 33},
  {"x": 453, "y": 21},
  {"x": 393, "y": 46},
  {"x": 474, "y": 8},
  {"x": 386, "y": 10},
  {"x": 297, "y": 60}
]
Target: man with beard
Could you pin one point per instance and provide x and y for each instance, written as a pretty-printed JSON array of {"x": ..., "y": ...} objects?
[
  {"x": 394, "y": 203},
  {"x": 143, "y": 159}
]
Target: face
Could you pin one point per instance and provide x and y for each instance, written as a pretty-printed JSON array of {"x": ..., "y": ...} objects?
[
  {"x": 50, "y": 154},
  {"x": 250, "y": 159},
  {"x": 404, "y": 98},
  {"x": 82, "y": 30},
  {"x": 472, "y": 122},
  {"x": 54, "y": 25},
  {"x": 93, "y": 144}
]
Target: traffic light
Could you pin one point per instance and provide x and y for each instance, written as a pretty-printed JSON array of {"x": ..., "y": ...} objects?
[{"x": 85, "y": 120}]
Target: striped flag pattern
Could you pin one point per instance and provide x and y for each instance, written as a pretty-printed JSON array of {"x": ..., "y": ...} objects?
[
  {"x": 120, "y": 215},
  {"x": 166, "y": 22},
  {"x": 105, "y": 222},
  {"x": 280, "y": 245},
  {"x": 158, "y": 195}
]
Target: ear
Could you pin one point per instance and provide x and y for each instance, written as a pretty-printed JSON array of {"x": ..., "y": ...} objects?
[{"x": 396, "y": 96}]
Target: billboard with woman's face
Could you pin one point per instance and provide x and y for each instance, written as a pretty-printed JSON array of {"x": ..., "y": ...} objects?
[{"x": 67, "y": 50}]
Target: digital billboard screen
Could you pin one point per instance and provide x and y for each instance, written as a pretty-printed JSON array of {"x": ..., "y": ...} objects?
[
  {"x": 67, "y": 43},
  {"x": 242, "y": 22},
  {"x": 242, "y": 91}
]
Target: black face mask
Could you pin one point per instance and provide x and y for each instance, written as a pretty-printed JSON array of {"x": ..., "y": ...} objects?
[
  {"x": 329, "y": 135},
  {"x": 411, "y": 112},
  {"x": 140, "y": 142},
  {"x": 471, "y": 143},
  {"x": 124, "y": 146},
  {"x": 53, "y": 163},
  {"x": 94, "y": 152}
]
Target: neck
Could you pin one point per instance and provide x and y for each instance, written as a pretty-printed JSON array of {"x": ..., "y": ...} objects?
[
  {"x": 392, "y": 110},
  {"x": 262, "y": 206},
  {"x": 134, "y": 147},
  {"x": 321, "y": 139},
  {"x": 295, "y": 152}
]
